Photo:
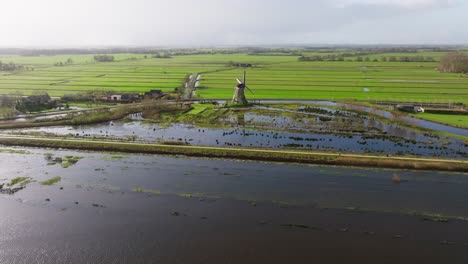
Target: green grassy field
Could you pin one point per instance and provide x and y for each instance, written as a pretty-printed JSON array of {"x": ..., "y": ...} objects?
[
  {"x": 453, "y": 120},
  {"x": 273, "y": 77}
]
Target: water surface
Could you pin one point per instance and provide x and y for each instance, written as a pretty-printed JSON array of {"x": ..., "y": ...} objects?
[{"x": 119, "y": 208}]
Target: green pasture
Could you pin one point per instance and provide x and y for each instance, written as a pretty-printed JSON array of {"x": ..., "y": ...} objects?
[
  {"x": 342, "y": 80},
  {"x": 273, "y": 76},
  {"x": 453, "y": 120}
]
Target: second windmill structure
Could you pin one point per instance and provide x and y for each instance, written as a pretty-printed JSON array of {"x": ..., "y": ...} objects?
[{"x": 239, "y": 92}]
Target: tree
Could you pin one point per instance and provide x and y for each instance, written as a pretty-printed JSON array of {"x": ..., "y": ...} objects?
[
  {"x": 104, "y": 58},
  {"x": 10, "y": 66},
  {"x": 6, "y": 101},
  {"x": 454, "y": 62}
]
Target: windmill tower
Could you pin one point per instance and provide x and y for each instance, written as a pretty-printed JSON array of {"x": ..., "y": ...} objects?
[{"x": 239, "y": 92}]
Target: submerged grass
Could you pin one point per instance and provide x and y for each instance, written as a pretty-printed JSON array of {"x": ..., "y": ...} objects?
[
  {"x": 69, "y": 161},
  {"x": 198, "y": 196},
  {"x": 147, "y": 191},
  {"x": 114, "y": 157},
  {"x": 51, "y": 181},
  {"x": 426, "y": 216},
  {"x": 19, "y": 180},
  {"x": 15, "y": 151}
]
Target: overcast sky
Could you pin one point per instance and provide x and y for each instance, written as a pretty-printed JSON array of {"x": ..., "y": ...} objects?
[{"x": 78, "y": 23}]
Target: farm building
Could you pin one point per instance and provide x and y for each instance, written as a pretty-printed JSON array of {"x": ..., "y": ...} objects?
[
  {"x": 123, "y": 98},
  {"x": 115, "y": 97}
]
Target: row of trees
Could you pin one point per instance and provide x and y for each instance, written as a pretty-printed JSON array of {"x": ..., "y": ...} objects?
[
  {"x": 7, "y": 101},
  {"x": 10, "y": 66},
  {"x": 7, "y": 106},
  {"x": 67, "y": 62},
  {"x": 342, "y": 57},
  {"x": 455, "y": 62},
  {"x": 239, "y": 64},
  {"x": 331, "y": 57},
  {"x": 401, "y": 59},
  {"x": 162, "y": 55},
  {"x": 104, "y": 58}
]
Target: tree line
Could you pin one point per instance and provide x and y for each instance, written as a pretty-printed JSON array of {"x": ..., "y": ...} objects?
[
  {"x": 162, "y": 55},
  {"x": 10, "y": 66},
  {"x": 343, "y": 57},
  {"x": 67, "y": 62},
  {"x": 104, "y": 58},
  {"x": 455, "y": 62}
]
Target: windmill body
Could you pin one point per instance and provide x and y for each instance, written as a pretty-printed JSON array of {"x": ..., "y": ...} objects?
[{"x": 239, "y": 92}]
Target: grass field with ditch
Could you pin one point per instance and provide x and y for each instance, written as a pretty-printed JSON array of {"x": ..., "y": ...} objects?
[
  {"x": 273, "y": 77},
  {"x": 453, "y": 120}
]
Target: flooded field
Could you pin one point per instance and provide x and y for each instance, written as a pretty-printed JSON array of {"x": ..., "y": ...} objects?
[
  {"x": 108, "y": 207},
  {"x": 313, "y": 128}
]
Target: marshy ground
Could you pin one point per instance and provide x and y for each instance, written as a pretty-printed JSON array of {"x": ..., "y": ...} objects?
[{"x": 281, "y": 126}]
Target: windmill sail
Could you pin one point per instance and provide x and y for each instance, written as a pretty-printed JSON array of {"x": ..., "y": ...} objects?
[{"x": 250, "y": 90}]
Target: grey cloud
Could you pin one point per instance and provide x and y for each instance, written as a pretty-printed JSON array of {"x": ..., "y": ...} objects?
[{"x": 212, "y": 22}]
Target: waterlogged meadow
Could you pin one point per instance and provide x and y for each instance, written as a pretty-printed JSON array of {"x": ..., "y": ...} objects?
[{"x": 306, "y": 127}]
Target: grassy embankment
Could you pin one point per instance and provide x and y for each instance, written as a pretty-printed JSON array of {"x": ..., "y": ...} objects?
[{"x": 246, "y": 153}]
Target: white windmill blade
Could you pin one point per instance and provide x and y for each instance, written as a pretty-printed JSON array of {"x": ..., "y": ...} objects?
[
  {"x": 239, "y": 81},
  {"x": 250, "y": 90}
]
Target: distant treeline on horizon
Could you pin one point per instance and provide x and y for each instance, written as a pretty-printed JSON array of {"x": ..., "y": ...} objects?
[{"x": 293, "y": 51}]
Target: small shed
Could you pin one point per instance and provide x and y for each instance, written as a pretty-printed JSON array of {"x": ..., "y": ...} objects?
[{"x": 116, "y": 97}]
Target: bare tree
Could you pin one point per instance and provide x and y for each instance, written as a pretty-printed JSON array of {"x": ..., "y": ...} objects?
[{"x": 454, "y": 62}]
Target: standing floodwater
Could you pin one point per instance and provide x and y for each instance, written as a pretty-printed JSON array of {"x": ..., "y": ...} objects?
[
  {"x": 106, "y": 207},
  {"x": 396, "y": 141}
]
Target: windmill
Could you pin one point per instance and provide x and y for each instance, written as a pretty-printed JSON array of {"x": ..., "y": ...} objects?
[{"x": 239, "y": 92}]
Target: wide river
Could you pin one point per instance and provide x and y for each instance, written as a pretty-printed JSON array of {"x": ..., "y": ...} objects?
[{"x": 115, "y": 208}]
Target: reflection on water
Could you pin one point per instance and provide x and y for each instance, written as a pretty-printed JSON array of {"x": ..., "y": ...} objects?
[
  {"x": 118, "y": 208},
  {"x": 340, "y": 187},
  {"x": 397, "y": 141}
]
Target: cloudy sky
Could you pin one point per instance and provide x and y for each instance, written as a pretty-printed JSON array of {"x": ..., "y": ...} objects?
[{"x": 78, "y": 23}]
